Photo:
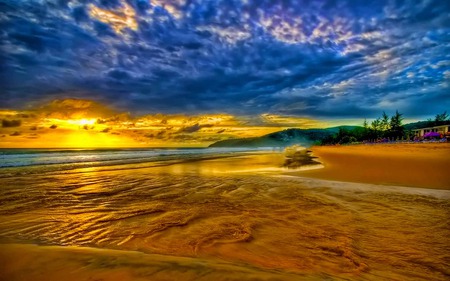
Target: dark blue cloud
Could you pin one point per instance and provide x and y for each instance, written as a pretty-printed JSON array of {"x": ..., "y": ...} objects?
[{"x": 310, "y": 58}]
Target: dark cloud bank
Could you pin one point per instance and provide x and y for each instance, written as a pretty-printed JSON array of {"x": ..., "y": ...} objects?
[{"x": 309, "y": 58}]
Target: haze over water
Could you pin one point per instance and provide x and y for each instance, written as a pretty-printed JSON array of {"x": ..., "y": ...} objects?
[{"x": 216, "y": 218}]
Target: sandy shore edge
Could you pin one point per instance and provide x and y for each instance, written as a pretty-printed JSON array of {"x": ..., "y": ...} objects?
[{"x": 413, "y": 165}]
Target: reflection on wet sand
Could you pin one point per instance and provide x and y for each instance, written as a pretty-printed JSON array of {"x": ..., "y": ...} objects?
[{"x": 208, "y": 220}]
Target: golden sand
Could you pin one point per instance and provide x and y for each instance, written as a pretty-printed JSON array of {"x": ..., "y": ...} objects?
[{"x": 415, "y": 165}]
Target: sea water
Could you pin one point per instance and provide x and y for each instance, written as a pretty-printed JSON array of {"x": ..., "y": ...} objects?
[{"x": 30, "y": 157}]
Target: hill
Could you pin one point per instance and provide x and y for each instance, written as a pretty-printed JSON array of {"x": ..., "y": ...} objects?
[{"x": 304, "y": 137}]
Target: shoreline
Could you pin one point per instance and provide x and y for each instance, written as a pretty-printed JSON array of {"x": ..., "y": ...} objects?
[{"x": 413, "y": 165}]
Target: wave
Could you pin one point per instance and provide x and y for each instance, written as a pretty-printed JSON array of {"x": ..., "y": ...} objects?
[{"x": 33, "y": 157}]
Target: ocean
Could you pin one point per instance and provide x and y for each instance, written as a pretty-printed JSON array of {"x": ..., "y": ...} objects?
[{"x": 104, "y": 157}]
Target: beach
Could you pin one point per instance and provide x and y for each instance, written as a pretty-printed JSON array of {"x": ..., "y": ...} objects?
[
  {"x": 232, "y": 216},
  {"x": 423, "y": 165}
]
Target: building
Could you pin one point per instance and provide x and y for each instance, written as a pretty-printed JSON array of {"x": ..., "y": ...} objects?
[{"x": 442, "y": 129}]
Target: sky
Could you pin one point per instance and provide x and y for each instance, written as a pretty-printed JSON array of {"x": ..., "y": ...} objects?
[{"x": 264, "y": 64}]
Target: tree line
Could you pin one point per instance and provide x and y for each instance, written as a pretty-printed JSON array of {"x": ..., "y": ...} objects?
[{"x": 384, "y": 128}]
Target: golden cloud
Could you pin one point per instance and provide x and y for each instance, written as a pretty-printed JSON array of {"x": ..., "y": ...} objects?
[
  {"x": 74, "y": 109},
  {"x": 293, "y": 121},
  {"x": 171, "y": 6},
  {"x": 118, "y": 19}
]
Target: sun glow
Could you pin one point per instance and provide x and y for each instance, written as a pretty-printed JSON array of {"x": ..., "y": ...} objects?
[
  {"x": 82, "y": 122},
  {"x": 89, "y": 140},
  {"x": 71, "y": 123}
]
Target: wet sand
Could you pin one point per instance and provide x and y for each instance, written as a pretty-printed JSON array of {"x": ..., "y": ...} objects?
[
  {"x": 81, "y": 263},
  {"x": 234, "y": 218},
  {"x": 415, "y": 165}
]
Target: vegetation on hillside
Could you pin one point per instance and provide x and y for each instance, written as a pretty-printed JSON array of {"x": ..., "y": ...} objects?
[{"x": 384, "y": 128}]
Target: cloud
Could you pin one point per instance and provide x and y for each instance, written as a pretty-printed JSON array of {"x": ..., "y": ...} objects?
[
  {"x": 330, "y": 59},
  {"x": 119, "y": 18},
  {"x": 74, "y": 109},
  {"x": 194, "y": 128},
  {"x": 291, "y": 121},
  {"x": 11, "y": 123}
]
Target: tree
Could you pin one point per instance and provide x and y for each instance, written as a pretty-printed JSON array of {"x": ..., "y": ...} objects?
[
  {"x": 385, "y": 122},
  {"x": 348, "y": 139},
  {"x": 441, "y": 118},
  {"x": 396, "y": 125},
  {"x": 376, "y": 124},
  {"x": 375, "y": 128},
  {"x": 365, "y": 124}
]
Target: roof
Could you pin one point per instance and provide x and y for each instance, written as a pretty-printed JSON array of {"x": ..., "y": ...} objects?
[{"x": 434, "y": 127}]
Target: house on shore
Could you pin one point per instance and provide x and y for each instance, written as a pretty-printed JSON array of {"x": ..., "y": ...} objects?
[{"x": 442, "y": 129}]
